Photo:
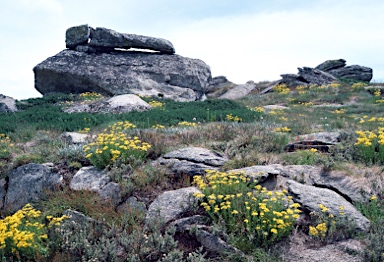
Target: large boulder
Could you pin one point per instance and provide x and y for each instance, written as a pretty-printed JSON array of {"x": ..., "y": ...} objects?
[
  {"x": 77, "y": 35},
  {"x": 28, "y": 184},
  {"x": 353, "y": 72},
  {"x": 331, "y": 64},
  {"x": 315, "y": 76},
  {"x": 123, "y": 72},
  {"x": 107, "y": 38},
  {"x": 309, "y": 197},
  {"x": 7, "y": 104}
]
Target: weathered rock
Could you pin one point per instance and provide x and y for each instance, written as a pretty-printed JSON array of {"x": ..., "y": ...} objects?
[
  {"x": 316, "y": 76},
  {"x": 309, "y": 197},
  {"x": 93, "y": 179},
  {"x": 331, "y": 64},
  {"x": 238, "y": 91},
  {"x": 77, "y": 35},
  {"x": 321, "y": 141},
  {"x": 28, "y": 184},
  {"x": 107, "y": 38},
  {"x": 7, "y": 104},
  {"x": 191, "y": 161},
  {"x": 3, "y": 192},
  {"x": 127, "y": 103},
  {"x": 74, "y": 138},
  {"x": 292, "y": 80},
  {"x": 171, "y": 204},
  {"x": 186, "y": 223},
  {"x": 354, "y": 72},
  {"x": 218, "y": 86},
  {"x": 116, "y": 73}
]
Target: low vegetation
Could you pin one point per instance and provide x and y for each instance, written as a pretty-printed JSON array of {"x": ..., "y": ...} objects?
[{"x": 248, "y": 216}]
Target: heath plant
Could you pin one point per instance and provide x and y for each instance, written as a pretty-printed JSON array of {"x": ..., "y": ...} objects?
[
  {"x": 116, "y": 144},
  {"x": 330, "y": 227},
  {"x": 370, "y": 145},
  {"x": 24, "y": 235},
  {"x": 5, "y": 147},
  {"x": 90, "y": 96},
  {"x": 249, "y": 212}
]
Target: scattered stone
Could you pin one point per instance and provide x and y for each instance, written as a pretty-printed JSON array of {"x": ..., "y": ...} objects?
[
  {"x": 218, "y": 86},
  {"x": 93, "y": 179},
  {"x": 170, "y": 205},
  {"x": 275, "y": 107},
  {"x": 321, "y": 141},
  {"x": 186, "y": 223},
  {"x": 238, "y": 91},
  {"x": 7, "y": 104},
  {"x": 127, "y": 103},
  {"x": 309, "y": 197},
  {"x": 106, "y": 38},
  {"x": 28, "y": 184},
  {"x": 130, "y": 205},
  {"x": 116, "y": 73},
  {"x": 75, "y": 138}
]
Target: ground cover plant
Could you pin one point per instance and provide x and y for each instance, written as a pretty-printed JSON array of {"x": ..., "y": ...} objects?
[{"x": 251, "y": 218}]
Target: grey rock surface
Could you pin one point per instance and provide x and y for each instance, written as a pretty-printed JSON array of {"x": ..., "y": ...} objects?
[
  {"x": 191, "y": 161},
  {"x": 331, "y": 64},
  {"x": 353, "y": 72},
  {"x": 7, "y": 104},
  {"x": 309, "y": 197},
  {"x": 28, "y": 184},
  {"x": 218, "y": 86},
  {"x": 238, "y": 91},
  {"x": 171, "y": 204},
  {"x": 3, "y": 192},
  {"x": 75, "y": 138},
  {"x": 107, "y": 38},
  {"x": 77, "y": 35},
  {"x": 116, "y": 73},
  {"x": 315, "y": 76},
  {"x": 198, "y": 155}
]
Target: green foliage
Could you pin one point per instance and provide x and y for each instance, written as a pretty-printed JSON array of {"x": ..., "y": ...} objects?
[{"x": 255, "y": 216}]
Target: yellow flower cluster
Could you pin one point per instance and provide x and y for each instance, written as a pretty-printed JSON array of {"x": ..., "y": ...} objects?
[
  {"x": 230, "y": 117},
  {"x": 90, "y": 96},
  {"x": 155, "y": 103},
  {"x": 377, "y": 93},
  {"x": 24, "y": 231},
  {"x": 319, "y": 230},
  {"x": 339, "y": 111},
  {"x": 302, "y": 89},
  {"x": 334, "y": 85},
  {"x": 115, "y": 144},
  {"x": 158, "y": 126},
  {"x": 5, "y": 145},
  {"x": 305, "y": 103},
  {"x": 367, "y": 138},
  {"x": 85, "y": 130},
  {"x": 244, "y": 206},
  {"x": 187, "y": 124},
  {"x": 358, "y": 86},
  {"x": 281, "y": 89},
  {"x": 258, "y": 109},
  {"x": 276, "y": 112},
  {"x": 282, "y": 129}
]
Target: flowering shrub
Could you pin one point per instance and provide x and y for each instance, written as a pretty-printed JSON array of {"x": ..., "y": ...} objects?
[
  {"x": 370, "y": 146},
  {"x": 250, "y": 212},
  {"x": 230, "y": 117},
  {"x": 5, "y": 146},
  {"x": 114, "y": 144},
  {"x": 328, "y": 226},
  {"x": 24, "y": 234},
  {"x": 358, "y": 86},
  {"x": 258, "y": 109},
  {"x": 158, "y": 126}
]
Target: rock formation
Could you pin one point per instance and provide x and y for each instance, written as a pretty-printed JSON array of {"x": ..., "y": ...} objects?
[
  {"x": 7, "y": 104},
  {"x": 326, "y": 73},
  {"x": 96, "y": 62}
]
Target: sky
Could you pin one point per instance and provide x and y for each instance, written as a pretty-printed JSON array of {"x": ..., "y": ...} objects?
[{"x": 241, "y": 39}]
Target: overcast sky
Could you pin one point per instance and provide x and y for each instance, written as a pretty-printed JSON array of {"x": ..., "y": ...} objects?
[{"x": 241, "y": 39}]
